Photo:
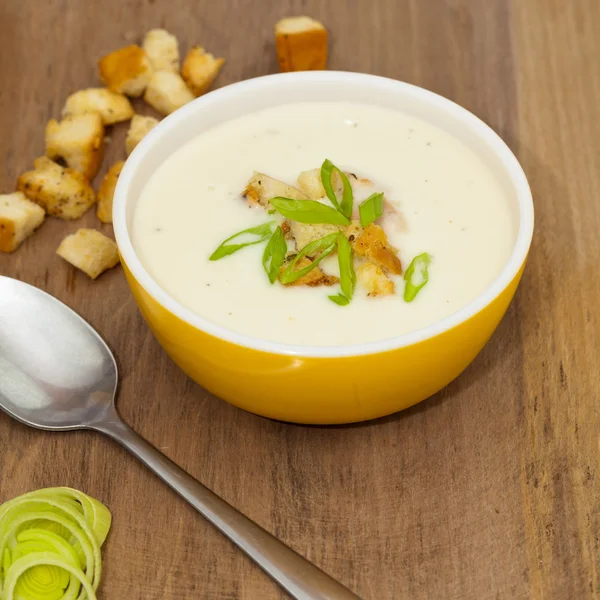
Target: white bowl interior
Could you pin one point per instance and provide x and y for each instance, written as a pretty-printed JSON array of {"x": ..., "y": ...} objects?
[{"x": 256, "y": 94}]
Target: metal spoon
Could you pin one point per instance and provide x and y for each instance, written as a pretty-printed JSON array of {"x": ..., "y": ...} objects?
[{"x": 56, "y": 373}]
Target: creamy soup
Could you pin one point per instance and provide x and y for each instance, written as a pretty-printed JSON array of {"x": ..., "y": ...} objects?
[{"x": 449, "y": 204}]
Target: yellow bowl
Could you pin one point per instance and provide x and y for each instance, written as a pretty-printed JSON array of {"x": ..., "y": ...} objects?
[{"x": 337, "y": 384}]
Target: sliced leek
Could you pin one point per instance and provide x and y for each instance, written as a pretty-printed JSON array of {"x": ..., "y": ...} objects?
[{"x": 50, "y": 543}]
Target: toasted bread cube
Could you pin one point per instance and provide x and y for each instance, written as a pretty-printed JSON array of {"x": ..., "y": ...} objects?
[
  {"x": 90, "y": 251},
  {"x": 60, "y": 191},
  {"x": 138, "y": 128},
  {"x": 261, "y": 188},
  {"x": 107, "y": 192},
  {"x": 200, "y": 69},
  {"x": 305, "y": 233},
  {"x": 19, "y": 218},
  {"x": 313, "y": 278},
  {"x": 353, "y": 230},
  {"x": 372, "y": 243},
  {"x": 162, "y": 49},
  {"x": 126, "y": 71},
  {"x": 79, "y": 141},
  {"x": 374, "y": 280},
  {"x": 301, "y": 44},
  {"x": 112, "y": 107},
  {"x": 167, "y": 92},
  {"x": 310, "y": 183}
]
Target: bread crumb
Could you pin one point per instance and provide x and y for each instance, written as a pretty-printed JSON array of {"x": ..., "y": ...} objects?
[
  {"x": 167, "y": 91},
  {"x": 60, "y": 191},
  {"x": 126, "y": 71},
  {"x": 374, "y": 280},
  {"x": 106, "y": 192},
  {"x": 111, "y": 106},
  {"x": 200, "y": 69},
  {"x": 261, "y": 188},
  {"x": 140, "y": 126},
  {"x": 162, "y": 49},
  {"x": 301, "y": 44},
  {"x": 373, "y": 244},
  {"x": 79, "y": 141},
  {"x": 90, "y": 251},
  {"x": 19, "y": 218}
]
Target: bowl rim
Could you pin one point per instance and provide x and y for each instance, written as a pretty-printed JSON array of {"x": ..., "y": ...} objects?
[{"x": 494, "y": 141}]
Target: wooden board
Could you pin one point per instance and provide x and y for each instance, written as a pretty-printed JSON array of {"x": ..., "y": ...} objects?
[{"x": 489, "y": 490}]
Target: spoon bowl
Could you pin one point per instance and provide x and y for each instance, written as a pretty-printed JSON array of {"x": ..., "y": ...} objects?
[{"x": 56, "y": 373}]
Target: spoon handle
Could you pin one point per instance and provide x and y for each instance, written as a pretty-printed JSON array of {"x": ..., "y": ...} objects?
[{"x": 300, "y": 578}]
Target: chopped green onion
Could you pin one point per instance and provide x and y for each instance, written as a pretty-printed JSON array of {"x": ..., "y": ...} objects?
[
  {"x": 340, "y": 299},
  {"x": 345, "y": 206},
  {"x": 371, "y": 209},
  {"x": 257, "y": 234},
  {"x": 324, "y": 246},
  {"x": 308, "y": 211},
  {"x": 274, "y": 255},
  {"x": 416, "y": 276},
  {"x": 347, "y": 274},
  {"x": 50, "y": 543}
]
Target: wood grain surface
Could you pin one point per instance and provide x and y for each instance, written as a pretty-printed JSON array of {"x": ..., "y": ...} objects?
[{"x": 490, "y": 489}]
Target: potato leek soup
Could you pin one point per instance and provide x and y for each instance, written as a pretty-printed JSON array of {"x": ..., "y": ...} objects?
[{"x": 324, "y": 224}]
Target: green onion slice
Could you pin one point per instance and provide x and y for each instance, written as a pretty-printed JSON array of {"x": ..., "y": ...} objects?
[
  {"x": 247, "y": 237},
  {"x": 324, "y": 246},
  {"x": 308, "y": 211},
  {"x": 274, "y": 255},
  {"x": 371, "y": 209},
  {"x": 347, "y": 274},
  {"x": 340, "y": 299},
  {"x": 50, "y": 543},
  {"x": 416, "y": 276},
  {"x": 345, "y": 206}
]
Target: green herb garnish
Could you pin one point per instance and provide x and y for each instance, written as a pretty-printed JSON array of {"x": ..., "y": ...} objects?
[
  {"x": 340, "y": 299},
  {"x": 257, "y": 234},
  {"x": 308, "y": 211},
  {"x": 324, "y": 246},
  {"x": 416, "y": 276},
  {"x": 345, "y": 206},
  {"x": 371, "y": 209},
  {"x": 274, "y": 255},
  {"x": 347, "y": 274}
]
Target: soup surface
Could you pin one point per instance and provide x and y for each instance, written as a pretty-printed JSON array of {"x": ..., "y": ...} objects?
[{"x": 449, "y": 202}]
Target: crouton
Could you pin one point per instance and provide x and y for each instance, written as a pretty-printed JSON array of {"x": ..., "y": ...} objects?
[
  {"x": 286, "y": 229},
  {"x": 313, "y": 278},
  {"x": 200, "y": 69},
  {"x": 60, "y": 191},
  {"x": 310, "y": 183},
  {"x": 374, "y": 280},
  {"x": 112, "y": 107},
  {"x": 166, "y": 92},
  {"x": 305, "y": 233},
  {"x": 162, "y": 49},
  {"x": 140, "y": 126},
  {"x": 261, "y": 188},
  {"x": 19, "y": 218},
  {"x": 301, "y": 44},
  {"x": 79, "y": 141},
  {"x": 127, "y": 70},
  {"x": 372, "y": 243},
  {"x": 107, "y": 191},
  {"x": 353, "y": 230},
  {"x": 90, "y": 251}
]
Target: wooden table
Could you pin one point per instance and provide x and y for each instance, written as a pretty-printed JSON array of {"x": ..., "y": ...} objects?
[{"x": 489, "y": 490}]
